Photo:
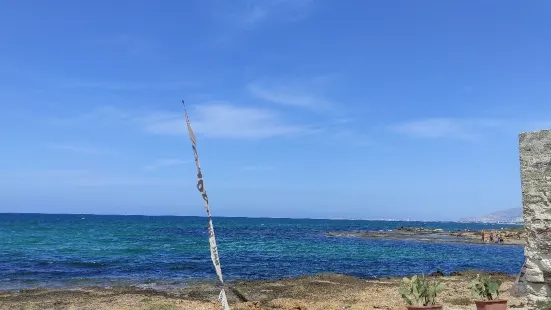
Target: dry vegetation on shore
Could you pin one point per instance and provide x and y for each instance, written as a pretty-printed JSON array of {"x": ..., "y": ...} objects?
[{"x": 320, "y": 292}]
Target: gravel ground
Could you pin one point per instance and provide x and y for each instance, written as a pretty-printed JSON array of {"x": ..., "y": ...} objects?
[{"x": 320, "y": 292}]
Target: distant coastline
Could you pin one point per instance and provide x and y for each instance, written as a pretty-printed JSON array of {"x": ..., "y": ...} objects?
[
  {"x": 510, "y": 216},
  {"x": 462, "y": 221}
]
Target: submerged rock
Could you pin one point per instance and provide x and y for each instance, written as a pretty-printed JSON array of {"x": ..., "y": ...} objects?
[{"x": 437, "y": 273}]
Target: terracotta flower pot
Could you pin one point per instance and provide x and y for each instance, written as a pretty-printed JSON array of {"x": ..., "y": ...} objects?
[
  {"x": 498, "y": 304},
  {"x": 435, "y": 307}
]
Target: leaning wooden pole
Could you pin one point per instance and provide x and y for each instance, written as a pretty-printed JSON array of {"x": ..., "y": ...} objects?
[{"x": 212, "y": 240}]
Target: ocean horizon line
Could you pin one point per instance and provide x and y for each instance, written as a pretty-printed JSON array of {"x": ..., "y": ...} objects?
[
  {"x": 251, "y": 217},
  {"x": 224, "y": 216}
]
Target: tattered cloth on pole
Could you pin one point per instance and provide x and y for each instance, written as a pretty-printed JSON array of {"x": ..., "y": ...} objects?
[{"x": 212, "y": 240}]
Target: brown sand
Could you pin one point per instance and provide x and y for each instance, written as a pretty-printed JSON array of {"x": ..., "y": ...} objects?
[{"x": 320, "y": 292}]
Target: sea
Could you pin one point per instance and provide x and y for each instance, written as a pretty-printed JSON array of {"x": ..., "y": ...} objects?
[{"x": 63, "y": 251}]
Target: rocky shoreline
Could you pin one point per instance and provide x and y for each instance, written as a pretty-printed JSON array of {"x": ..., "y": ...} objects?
[
  {"x": 323, "y": 291},
  {"x": 508, "y": 236}
]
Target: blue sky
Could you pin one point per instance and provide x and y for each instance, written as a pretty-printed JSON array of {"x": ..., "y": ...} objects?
[{"x": 302, "y": 108}]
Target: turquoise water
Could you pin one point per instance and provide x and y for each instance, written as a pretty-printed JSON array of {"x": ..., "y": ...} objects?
[{"x": 76, "y": 250}]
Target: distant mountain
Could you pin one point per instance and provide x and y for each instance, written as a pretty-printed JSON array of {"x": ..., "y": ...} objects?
[{"x": 513, "y": 215}]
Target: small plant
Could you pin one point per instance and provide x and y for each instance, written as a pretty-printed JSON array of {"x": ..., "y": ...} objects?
[
  {"x": 419, "y": 291},
  {"x": 485, "y": 288}
]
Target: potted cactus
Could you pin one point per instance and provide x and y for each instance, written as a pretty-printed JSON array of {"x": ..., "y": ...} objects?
[
  {"x": 420, "y": 293},
  {"x": 486, "y": 292}
]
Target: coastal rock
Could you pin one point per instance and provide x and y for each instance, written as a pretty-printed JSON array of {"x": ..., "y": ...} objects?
[
  {"x": 437, "y": 273},
  {"x": 474, "y": 273},
  {"x": 534, "y": 276},
  {"x": 419, "y": 230},
  {"x": 539, "y": 289},
  {"x": 509, "y": 236},
  {"x": 535, "y": 167}
]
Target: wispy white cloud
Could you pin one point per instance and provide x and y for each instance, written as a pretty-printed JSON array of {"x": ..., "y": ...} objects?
[
  {"x": 221, "y": 120},
  {"x": 165, "y": 162},
  {"x": 83, "y": 82},
  {"x": 55, "y": 173},
  {"x": 81, "y": 149},
  {"x": 254, "y": 15},
  {"x": 350, "y": 137},
  {"x": 129, "y": 45},
  {"x": 240, "y": 16},
  {"x": 287, "y": 96},
  {"x": 452, "y": 128},
  {"x": 258, "y": 168},
  {"x": 343, "y": 121},
  {"x": 467, "y": 129},
  {"x": 85, "y": 178},
  {"x": 104, "y": 181},
  {"x": 125, "y": 85},
  {"x": 100, "y": 116},
  {"x": 301, "y": 92},
  {"x": 224, "y": 120},
  {"x": 253, "y": 12}
]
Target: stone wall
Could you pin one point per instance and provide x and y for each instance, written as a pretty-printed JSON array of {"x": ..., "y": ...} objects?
[{"x": 535, "y": 169}]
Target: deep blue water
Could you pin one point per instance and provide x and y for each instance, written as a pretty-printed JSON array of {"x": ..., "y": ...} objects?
[{"x": 73, "y": 250}]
